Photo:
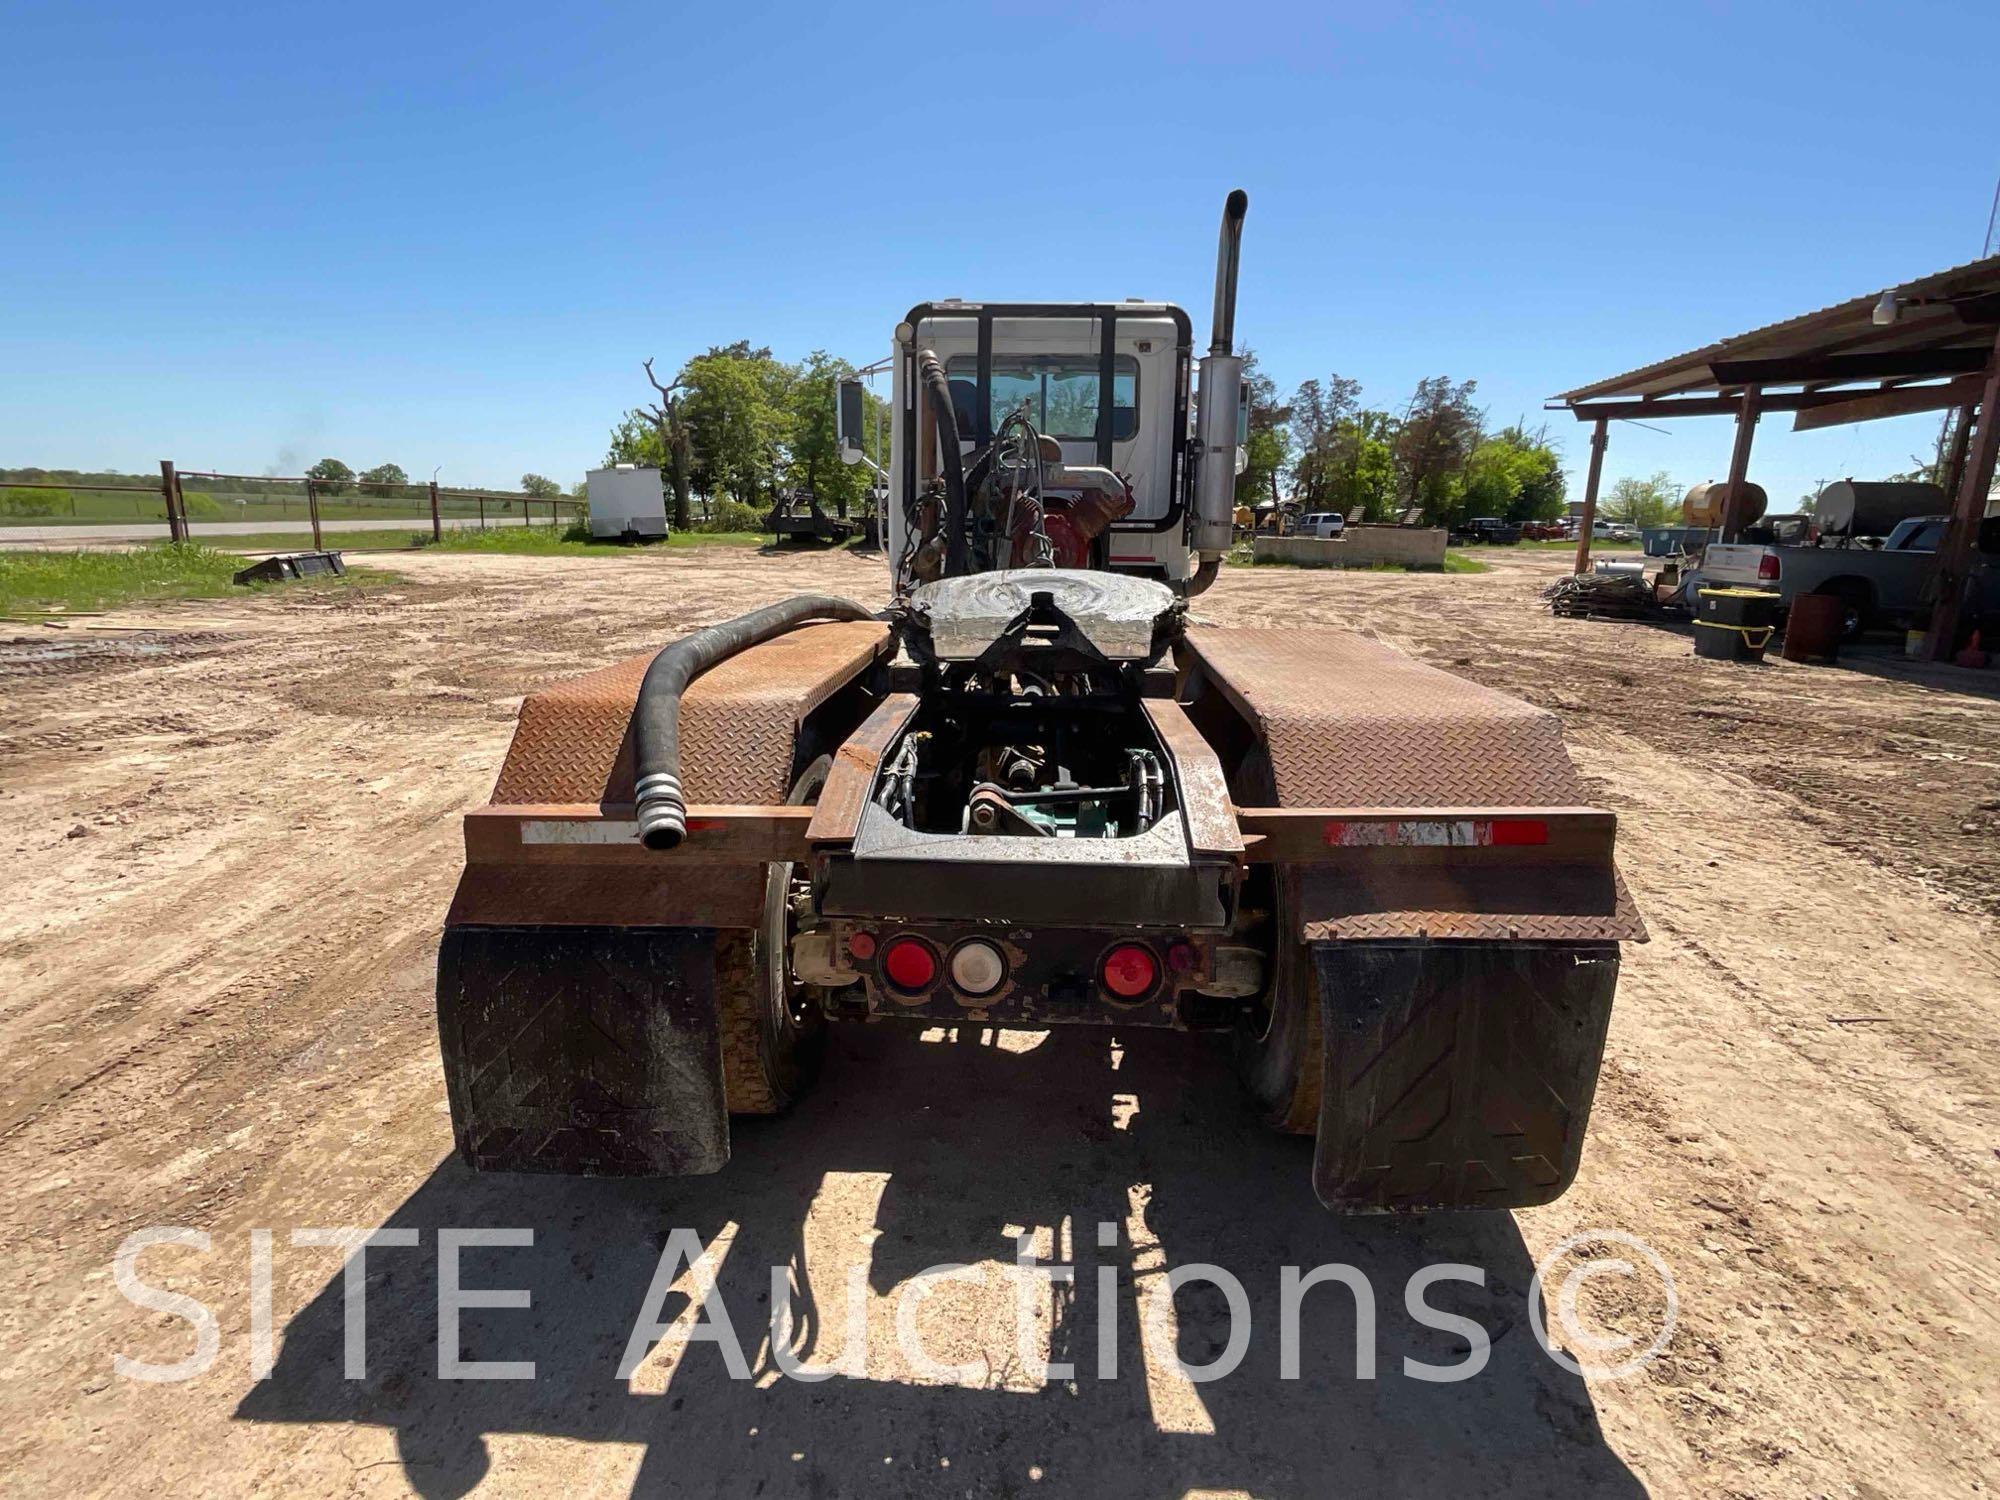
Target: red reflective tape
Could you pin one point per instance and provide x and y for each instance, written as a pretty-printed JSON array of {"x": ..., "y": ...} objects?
[
  {"x": 1445, "y": 833},
  {"x": 703, "y": 825}
]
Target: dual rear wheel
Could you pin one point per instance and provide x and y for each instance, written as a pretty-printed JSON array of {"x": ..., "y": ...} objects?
[{"x": 773, "y": 1031}]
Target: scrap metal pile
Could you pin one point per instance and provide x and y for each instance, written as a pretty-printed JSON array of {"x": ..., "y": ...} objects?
[{"x": 1618, "y": 596}]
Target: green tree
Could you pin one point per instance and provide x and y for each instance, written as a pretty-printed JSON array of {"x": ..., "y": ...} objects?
[
  {"x": 1643, "y": 502},
  {"x": 540, "y": 487},
  {"x": 381, "y": 479},
  {"x": 1316, "y": 414},
  {"x": 738, "y": 419},
  {"x": 1434, "y": 444},
  {"x": 333, "y": 474},
  {"x": 1513, "y": 474},
  {"x": 814, "y": 445},
  {"x": 1360, "y": 466},
  {"x": 1266, "y": 450}
]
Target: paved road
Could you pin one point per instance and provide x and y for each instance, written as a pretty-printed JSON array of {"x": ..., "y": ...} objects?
[{"x": 116, "y": 532}]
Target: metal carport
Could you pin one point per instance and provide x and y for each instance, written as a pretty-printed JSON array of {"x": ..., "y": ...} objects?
[{"x": 1932, "y": 344}]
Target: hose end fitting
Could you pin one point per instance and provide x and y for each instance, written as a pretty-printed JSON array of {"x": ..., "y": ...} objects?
[{"x": 662, "y": 810}]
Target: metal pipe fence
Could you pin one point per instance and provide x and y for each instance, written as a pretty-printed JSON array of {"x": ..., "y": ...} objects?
[{"x": 191, "y": 502}]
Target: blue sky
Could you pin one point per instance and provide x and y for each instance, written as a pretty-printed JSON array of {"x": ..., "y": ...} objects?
[{"x": 245, "y": 237}]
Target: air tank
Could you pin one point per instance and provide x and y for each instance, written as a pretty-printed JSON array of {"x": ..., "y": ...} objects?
[
  {"x": 1703, "y": 505},
  {"x": 1870, "y": 507}
]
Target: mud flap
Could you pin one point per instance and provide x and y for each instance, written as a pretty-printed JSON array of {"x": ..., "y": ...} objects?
[
  {"x": 1458, "y": 1075},
  {"x": 585, "y": 1050}
]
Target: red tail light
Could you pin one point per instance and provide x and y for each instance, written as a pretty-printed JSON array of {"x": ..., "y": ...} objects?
[
  {"x": 1767, "y": 568},
  {"x": 909, "y": 964},
  {"x": 1130, "y": 971}
]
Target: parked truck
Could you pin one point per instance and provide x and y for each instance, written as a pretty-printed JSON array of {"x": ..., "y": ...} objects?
[
  {"x": 1031, "y": 792},
  {"x": 1881, "y": 584}
]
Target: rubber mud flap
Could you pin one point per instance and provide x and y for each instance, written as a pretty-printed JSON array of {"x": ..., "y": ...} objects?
[
  {"x": 1458, "y": 1075},
  {"x": 592, "y": 1051}
]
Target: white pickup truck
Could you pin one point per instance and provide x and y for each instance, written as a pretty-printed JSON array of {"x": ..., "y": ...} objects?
[{"x": 1880, "y": 585}]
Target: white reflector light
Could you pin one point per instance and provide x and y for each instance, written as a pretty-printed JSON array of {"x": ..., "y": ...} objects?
[{"x": 977, "y": 968}]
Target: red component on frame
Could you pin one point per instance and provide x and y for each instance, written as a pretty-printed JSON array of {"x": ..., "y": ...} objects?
[
  {"x": 1071, "y": 549},
  {"x": 1182, "y": 956},
  {"x": 1130, "y": 971},
  {"x": 1071, "y": 525},
  {"x": 909, "y": 964},
  {"x": 861, "y": 946}
]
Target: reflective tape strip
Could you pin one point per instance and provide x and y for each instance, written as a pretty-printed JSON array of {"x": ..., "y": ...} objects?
[
  {"x": 1437, "y": 833},
  {"x": 595, "y": 831}
]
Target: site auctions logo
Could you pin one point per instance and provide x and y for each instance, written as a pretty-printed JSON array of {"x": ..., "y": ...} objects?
[
  {"x": 1585, "y": 1267},
  {"x": 686, "y": 1271}
]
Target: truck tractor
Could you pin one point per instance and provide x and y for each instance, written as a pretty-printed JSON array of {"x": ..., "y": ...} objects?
[{"x": 1032, "y": 792}]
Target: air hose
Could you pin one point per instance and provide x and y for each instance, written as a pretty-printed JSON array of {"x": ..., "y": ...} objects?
[
  {"x": 951, "y": 463},
  {"x": 662, "y": 809}
]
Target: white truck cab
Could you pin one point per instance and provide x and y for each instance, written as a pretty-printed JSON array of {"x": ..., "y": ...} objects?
[
  {"x": 1073, "y": 438},
  {"x": 1052, "y": 360}
]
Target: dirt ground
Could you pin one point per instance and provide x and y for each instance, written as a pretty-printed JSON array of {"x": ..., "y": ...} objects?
[{"x": 231, "y": 835}]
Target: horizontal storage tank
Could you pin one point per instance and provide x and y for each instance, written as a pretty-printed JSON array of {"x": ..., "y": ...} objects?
[
  {"x": 1703, "y": 505},
  {"x": 1872, "y": 507}
]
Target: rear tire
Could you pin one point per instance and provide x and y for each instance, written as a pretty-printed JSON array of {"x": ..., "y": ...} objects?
[
  {"x": 1279, "y": 1053},
  {"x": 773, "y": 1031},
  {"x": 1856, "y": 605}
]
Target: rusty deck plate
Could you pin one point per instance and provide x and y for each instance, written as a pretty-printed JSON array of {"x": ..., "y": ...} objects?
[
  {"x": 737, "y": 723},
  {"x": 1347, "y": 722}
]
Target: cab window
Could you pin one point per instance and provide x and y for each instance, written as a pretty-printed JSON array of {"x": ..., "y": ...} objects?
[{"x": 1059, "y": 391}]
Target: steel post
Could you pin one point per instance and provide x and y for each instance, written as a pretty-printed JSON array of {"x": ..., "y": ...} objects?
[
  {"x": 1954, "y": 556},
  {"x": 1598, "y": 440},
  {"x": 1739, "y": 462},
  {"x": 312, "y": 510},
  {"x": 170, "y": 491},
  {"x": 437, "y": 522},
  {"x": 1953, "y": 473}
]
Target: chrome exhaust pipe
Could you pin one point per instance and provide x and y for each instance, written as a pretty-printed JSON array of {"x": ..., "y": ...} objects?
[
  {"x": 1221, "y": 393},
  {"x": 1228, "y": 255}
]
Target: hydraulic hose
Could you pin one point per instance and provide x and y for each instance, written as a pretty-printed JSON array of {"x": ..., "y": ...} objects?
[
  {"x": 656, "y": 719},
  {"x": 951, "y": 464}
]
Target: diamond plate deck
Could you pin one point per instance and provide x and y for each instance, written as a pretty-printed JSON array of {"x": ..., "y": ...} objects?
[
  {"x": 738, "y": 722},
  {"x": 1337, "y": 720},
  {"x": 1347, "y": 722}
]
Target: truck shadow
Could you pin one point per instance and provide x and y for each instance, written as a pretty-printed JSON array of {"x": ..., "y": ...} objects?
[{"x": 959, "y": 1142}]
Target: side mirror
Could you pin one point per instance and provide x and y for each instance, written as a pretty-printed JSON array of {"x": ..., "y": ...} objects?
[{"x": 848, "y": 411}]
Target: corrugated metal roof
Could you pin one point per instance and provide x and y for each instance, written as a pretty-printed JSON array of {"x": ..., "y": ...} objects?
[{"x": 1843, "y": 328}]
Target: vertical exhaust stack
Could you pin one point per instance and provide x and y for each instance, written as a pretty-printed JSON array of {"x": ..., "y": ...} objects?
[{"x": 1221, "y": 388}]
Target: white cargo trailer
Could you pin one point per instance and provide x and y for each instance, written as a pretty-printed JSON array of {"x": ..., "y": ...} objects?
[{"x": 627, "y": 503}]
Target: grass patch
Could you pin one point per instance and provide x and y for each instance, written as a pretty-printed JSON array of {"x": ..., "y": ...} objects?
[
  {"x": 532, "y": 540},
  {"x": 332, "y": 541},
  {"x": 44, "y": 583},
  {"x": 80, "y": 507},
  {"x": 547, "y": 541},
  {"x": 1456, "y": 561}
]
